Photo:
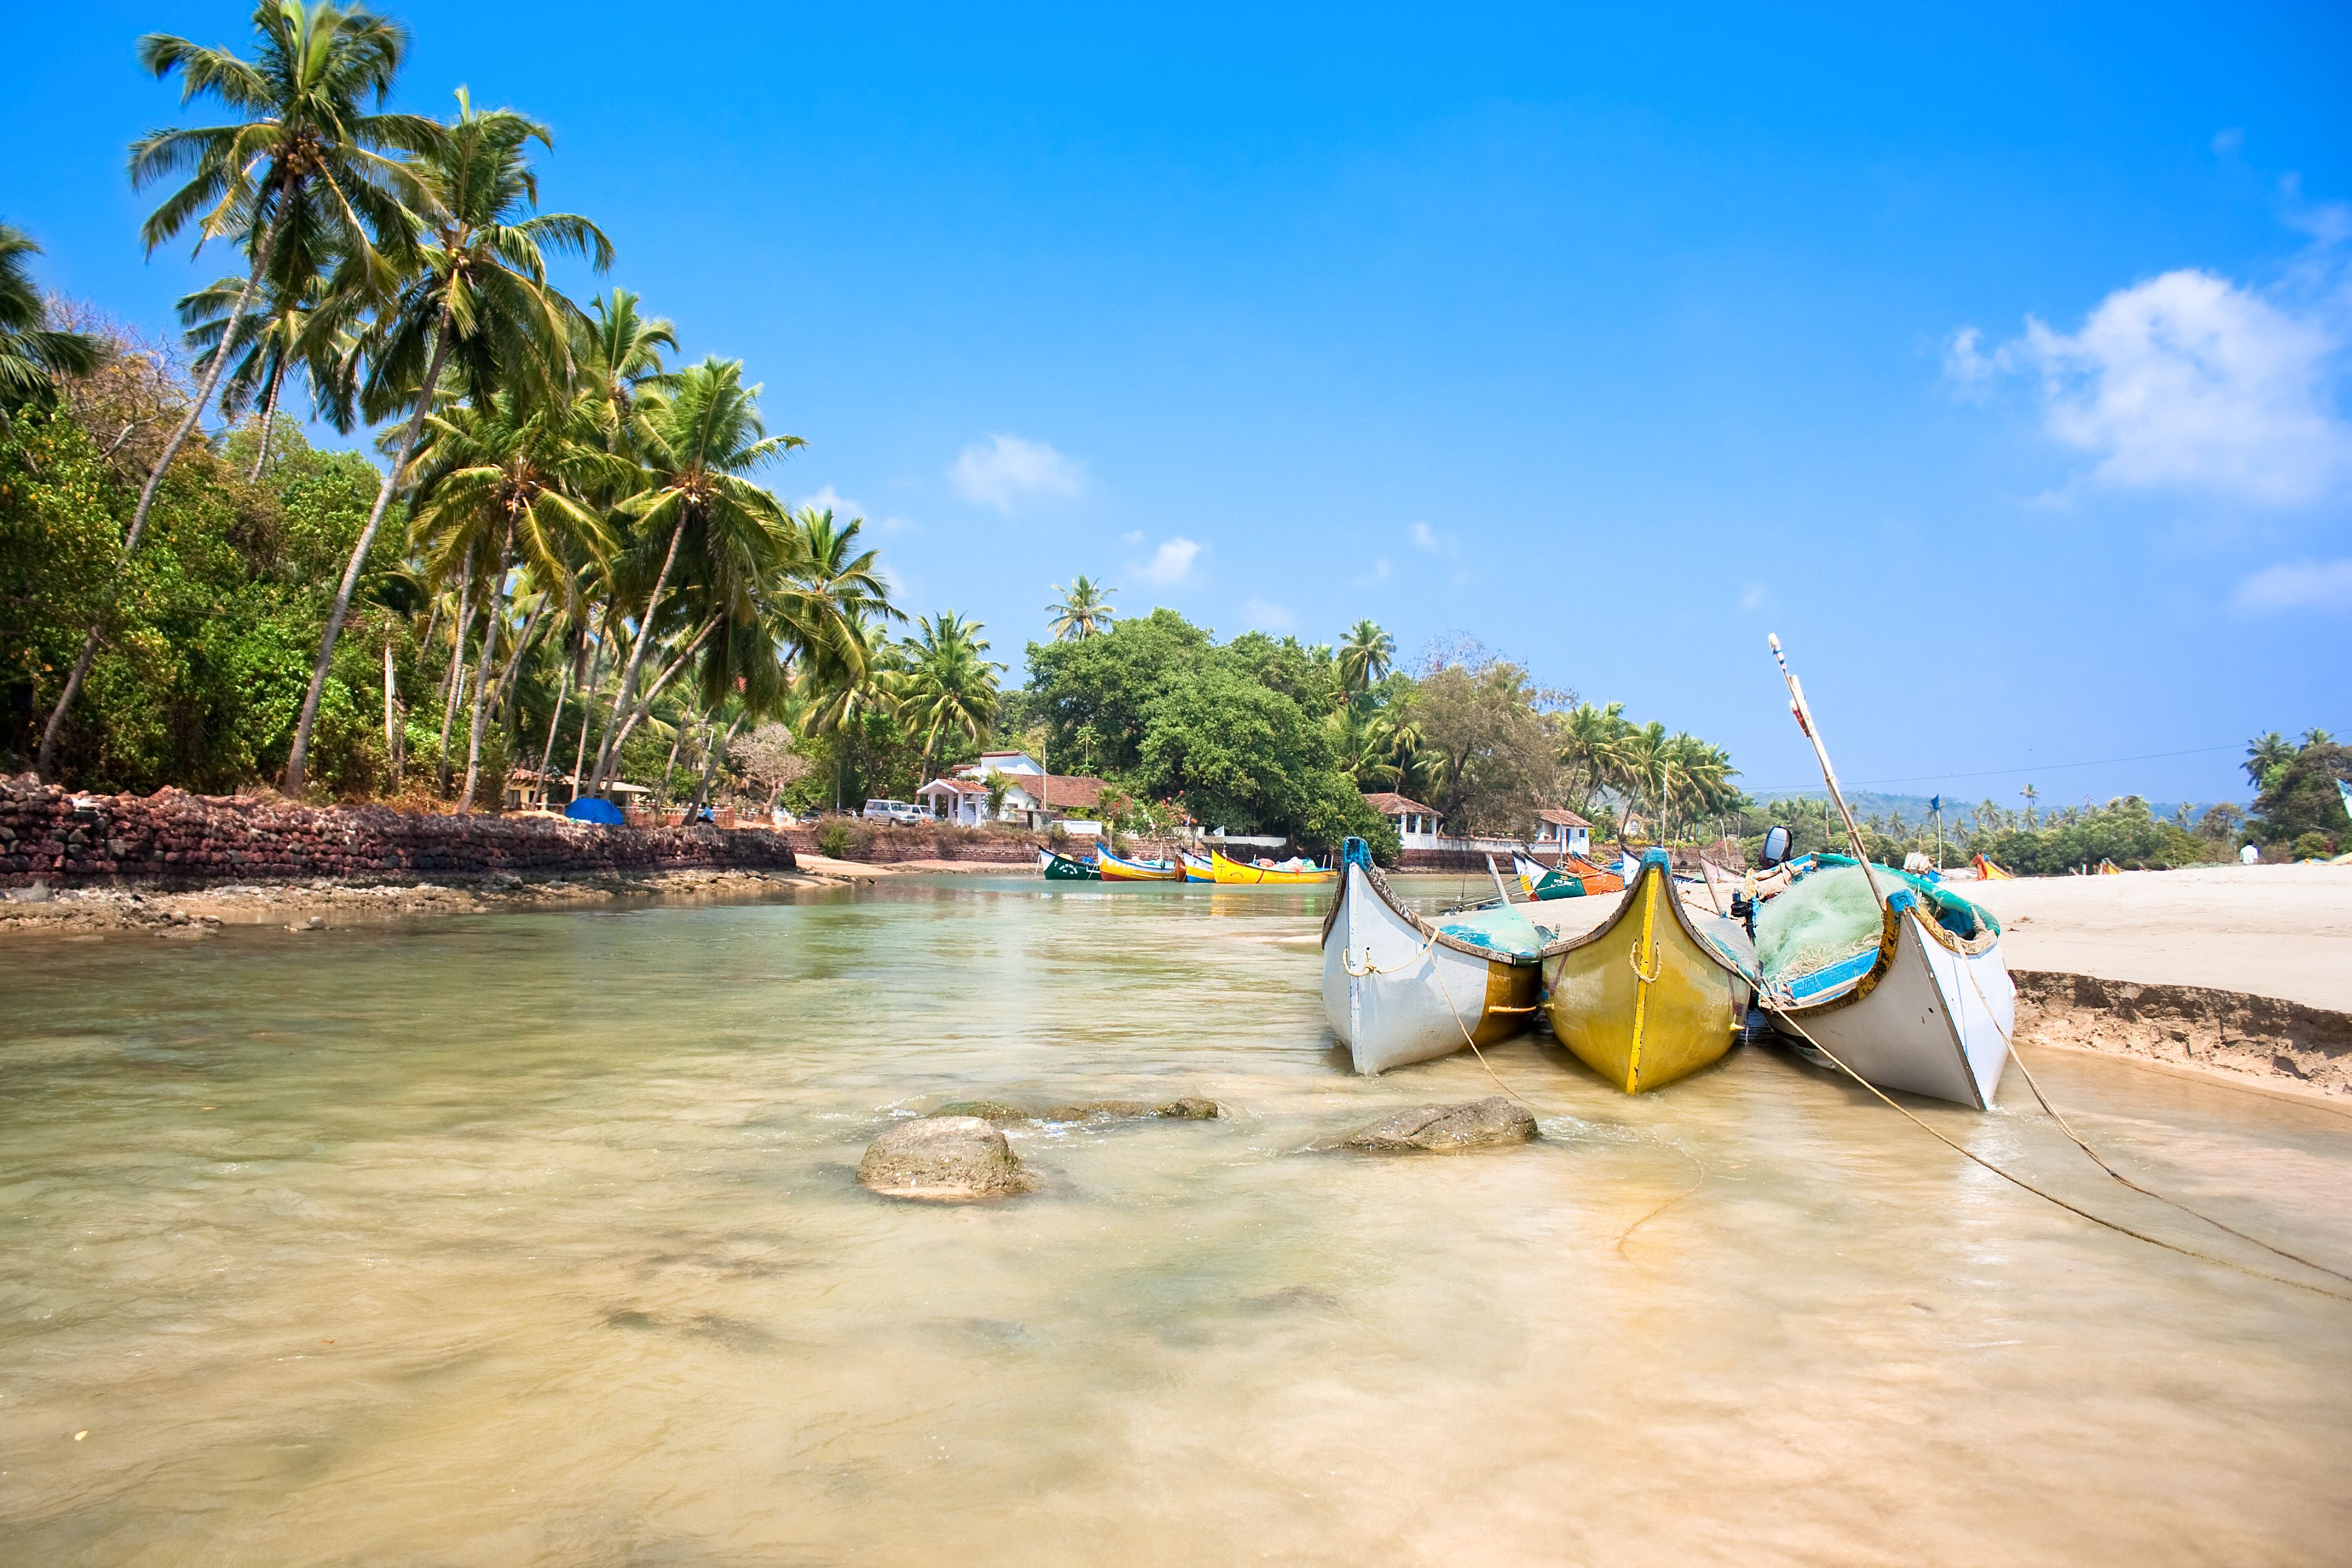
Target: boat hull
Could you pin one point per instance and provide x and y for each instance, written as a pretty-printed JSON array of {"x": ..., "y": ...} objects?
[
  {"x": 1196, "y": 869},
  {"x": 1394, "y": 995},
  {"x": 1117, "y": 869},
  {"x": 1930, "y": 1017},
  {"x": 1232, "y": 873},
  {"x": 1645, "y": 998},
  {"x": 1062, "y": 868}
]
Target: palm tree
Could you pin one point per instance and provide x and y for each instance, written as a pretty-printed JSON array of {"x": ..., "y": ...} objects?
[
  {"x": 32, "y": 353},
  {"x": 2265, "y": 754},
  {"x": 950, "y": 688},
  {"x": 619, "y": 356},
  {"x": 299, "y": 328},
  {"x": 847, "y": 681},
  {"x": 478, "y": 305},
  {"x": 1365, "y": 655},
  {"x": 1590, "y": 750},
  {"x": 504, "y": 483},
  {"x": 1081, "y": 610},
  {"x": 705, "y": 435},
  {"x": 305, "y": 178},
  {"x": 2030, "y": 794}
]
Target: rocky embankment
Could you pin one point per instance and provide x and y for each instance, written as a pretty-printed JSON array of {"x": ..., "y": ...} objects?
[{"x": 2282, "y": 1043}]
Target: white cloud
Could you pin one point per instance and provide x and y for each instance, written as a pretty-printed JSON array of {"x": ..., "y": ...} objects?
[
  {"x": 1005, "y": 470},
  {"x": 1266, "y": 616},
  {"x": 1134, "y": 538},
  {"x": 2187, "y": 382},
  {"x": 2297, "y": 586},
  {"x": 1379, "y": 574},
  {"x": 1171, "y": 564},
  {"x": 1754, "y": 596},
  {"x": 2228, "y": 140},
  {"x": 843, "y": 509},
  {"x": 1423, "y": 538}
]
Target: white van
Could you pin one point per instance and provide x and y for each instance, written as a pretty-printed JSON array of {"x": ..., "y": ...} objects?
[{"x": 894, "y": 811}]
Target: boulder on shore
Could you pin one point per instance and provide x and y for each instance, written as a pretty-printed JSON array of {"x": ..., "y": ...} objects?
[
  {"x": 945, "y": 1159},
  {"x": 1476, "y": 1125}
]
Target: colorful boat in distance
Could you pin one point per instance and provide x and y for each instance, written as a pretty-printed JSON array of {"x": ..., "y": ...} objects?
[
  {"x": 1912, "y": 994},
  {"x": 1197, "y": 867},
  {"x": 1574, "y": 878},
  {"x": 1399, "y": 987},
  {"x": 1989, "y": 872},
  {"x": 1119, "y": 869},
  {"x": 1229, "y": 872},
  {"x": 1062, "y": 868},
  {"x": 1655, "y": 991}
]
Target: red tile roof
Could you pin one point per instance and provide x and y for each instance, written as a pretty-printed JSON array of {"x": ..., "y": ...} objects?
[
  {"x": 1388, "y": 802},
  {"x": 1564, "y": 818},
  {"x": 960, "y": 787},
  {"x": 1069, "y": 790}
]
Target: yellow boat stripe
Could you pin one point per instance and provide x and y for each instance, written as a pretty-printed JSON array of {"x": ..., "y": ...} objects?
[{"x": 1641, "y": 981}]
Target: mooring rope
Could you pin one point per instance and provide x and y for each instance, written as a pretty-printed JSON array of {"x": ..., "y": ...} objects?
[
  {"x": 2009, "y": 1040},
  {"x": 2052, "y": 1197}
]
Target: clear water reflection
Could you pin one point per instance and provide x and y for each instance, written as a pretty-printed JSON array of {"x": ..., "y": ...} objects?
[{"x": 532, "y": 1238}]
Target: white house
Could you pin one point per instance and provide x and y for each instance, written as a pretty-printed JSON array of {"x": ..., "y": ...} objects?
[
  {"x": 1416, "y": 825},
  {"x": 1563, "y": 832},
  {"x": 963, "y": 801},
  {"x": 1033, "y": 797}
]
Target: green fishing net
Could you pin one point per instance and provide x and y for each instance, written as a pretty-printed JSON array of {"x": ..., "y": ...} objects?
[{"x": 1829, "y": 915}]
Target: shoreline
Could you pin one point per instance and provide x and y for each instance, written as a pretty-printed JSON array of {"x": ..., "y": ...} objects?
[{"x": 2242, "y": 1038}]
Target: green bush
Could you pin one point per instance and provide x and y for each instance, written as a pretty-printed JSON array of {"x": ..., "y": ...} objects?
[
  {"x": 837, "y": 838},
  {"x": 2314, "y": 846}
]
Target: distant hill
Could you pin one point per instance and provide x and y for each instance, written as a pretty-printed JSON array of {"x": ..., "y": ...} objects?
[{"x": 1915, "y": 809}]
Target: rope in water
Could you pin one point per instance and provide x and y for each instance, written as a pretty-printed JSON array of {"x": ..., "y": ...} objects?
[
  {"x": 2008, "y": 1040},
  {"x": 2051, "y": 1197}
]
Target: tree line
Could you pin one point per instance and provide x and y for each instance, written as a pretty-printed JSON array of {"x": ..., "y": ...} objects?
[{"x": 565, "y": 564}]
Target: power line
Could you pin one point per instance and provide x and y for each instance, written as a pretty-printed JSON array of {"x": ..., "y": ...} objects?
[{"x": 2024, "y": 768}]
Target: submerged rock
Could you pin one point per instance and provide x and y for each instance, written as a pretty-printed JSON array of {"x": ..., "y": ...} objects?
[
  {"x": 994, "y": 1111},
  {"x": 1476, "y": 1125},
  {"x": 1185, "y": 1108},
  {"x": 943, "y": 1158}
]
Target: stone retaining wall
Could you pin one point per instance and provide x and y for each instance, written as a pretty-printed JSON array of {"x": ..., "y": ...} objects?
[
  {"x": 2263, "y": 1037},
  {"x": 50, "y": 835}
]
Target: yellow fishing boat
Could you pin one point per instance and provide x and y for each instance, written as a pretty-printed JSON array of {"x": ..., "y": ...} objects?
[
  {"x": 1115, "y": 868},
  {"x": 1232, "y": 872},
  {"x": 1655, "y": 991}
]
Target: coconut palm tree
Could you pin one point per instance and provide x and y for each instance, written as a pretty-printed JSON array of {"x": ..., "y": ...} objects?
[
  {"x": 478, "y": 306},
  {"x": 1081, "y": 610},
  {"x": 32, "y": 353},
  {"x": 2265, "y": 754},
  {"x": 304, "y": 176},
  {"x": 620, "y": 357},
  {"x": 851, "y": 679},
  {"x": 503, "y": 483},
  {"x": 705, "y": 435},
  {"x": 951, "y": 689},
  {"x": 1365, "y": 655},
  {"x": 298, "y": 329}
]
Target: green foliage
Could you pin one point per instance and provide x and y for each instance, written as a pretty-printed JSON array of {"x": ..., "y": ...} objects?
[
  {"x": 2299, "y": 796},
  {"x": 210, "y": 628},
  {"x": 2314, "y": 846},
  {"x": 837, "y": 838}
]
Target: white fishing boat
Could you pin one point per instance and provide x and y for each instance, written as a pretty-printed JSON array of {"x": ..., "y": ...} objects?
[
  {"x": 1401, "y": 987},
  {"x": 1926, "y": 1008}
]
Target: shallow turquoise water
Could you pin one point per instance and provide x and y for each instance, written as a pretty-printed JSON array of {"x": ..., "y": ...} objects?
[{"x": 533, "y": 1238}]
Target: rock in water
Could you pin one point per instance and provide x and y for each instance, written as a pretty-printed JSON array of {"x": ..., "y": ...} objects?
[
  {"x": 1189, "y": 1108},
  {"x": 1493, "y": 1119},
  {"x": 945, "y": 1158}
]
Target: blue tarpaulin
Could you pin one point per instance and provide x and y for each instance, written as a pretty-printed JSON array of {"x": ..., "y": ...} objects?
[{"x": 604, "y": 813}]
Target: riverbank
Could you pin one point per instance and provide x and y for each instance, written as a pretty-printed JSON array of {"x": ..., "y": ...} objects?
[{"x": 322, "y": 902}]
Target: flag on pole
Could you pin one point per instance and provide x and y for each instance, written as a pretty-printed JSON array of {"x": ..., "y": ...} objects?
[{"x": 1936, "y": 802}]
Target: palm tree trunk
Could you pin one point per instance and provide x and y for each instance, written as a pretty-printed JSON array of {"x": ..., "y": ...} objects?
[
  {"x": 459, "y": 632},
  {"x": 645, "y": 704},
  {"x": 298, "y": 757},
  {"x": 711, "y": 767},
  {"x": 391, "y": 756},
  {"x": 482, "y": 675},
  {"x": 606, "y": 752},
  {"x": 661, "y": 801},
  {"x": 268, "y": 419},
  {"x": 587, "y": 711},
  {"x": 47, "y": 761},
  {"x": 547, "y": 753}
]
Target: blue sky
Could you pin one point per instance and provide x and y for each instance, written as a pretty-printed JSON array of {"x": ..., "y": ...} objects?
[{"x": 1997, "y": 363}]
